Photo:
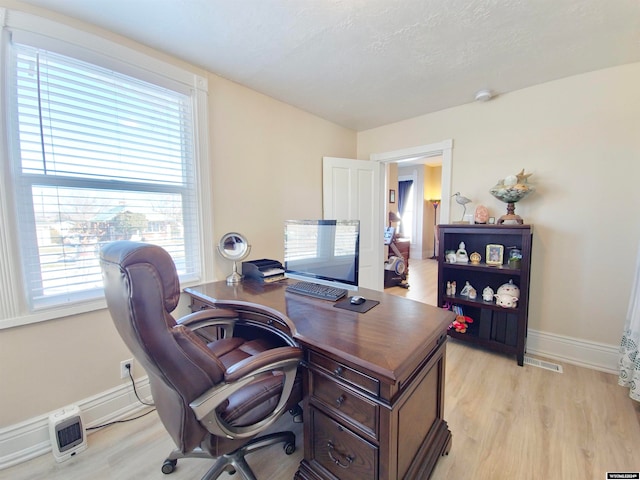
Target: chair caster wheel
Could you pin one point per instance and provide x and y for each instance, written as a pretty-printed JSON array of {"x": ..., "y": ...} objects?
[
  {"x": 289, "y": 448},
  {"x": 169, "y": 466}
]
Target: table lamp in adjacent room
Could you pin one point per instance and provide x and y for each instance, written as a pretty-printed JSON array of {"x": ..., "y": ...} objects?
[{"x": 394, "y": 218}]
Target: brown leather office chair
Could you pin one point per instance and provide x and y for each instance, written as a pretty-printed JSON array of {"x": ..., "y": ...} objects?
[{"x": 219, "y": 377}]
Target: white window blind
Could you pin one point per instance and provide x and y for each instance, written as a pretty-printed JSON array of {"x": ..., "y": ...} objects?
[
  {"x": 98, "y": 156},
  {"x": 327, "y": 242}
]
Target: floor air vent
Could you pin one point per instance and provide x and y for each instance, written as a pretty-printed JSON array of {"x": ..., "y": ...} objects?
[{"x": 554, "y": 367}]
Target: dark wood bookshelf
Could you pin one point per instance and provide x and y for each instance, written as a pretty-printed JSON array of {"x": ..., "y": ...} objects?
[{"x": 494, "y": 327}]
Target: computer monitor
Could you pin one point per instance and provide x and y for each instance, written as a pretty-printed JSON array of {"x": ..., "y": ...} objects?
[{"x": 323, "y": 251}]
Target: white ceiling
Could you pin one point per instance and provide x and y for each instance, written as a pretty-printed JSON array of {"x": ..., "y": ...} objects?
[{"x": 366, "y": 63}]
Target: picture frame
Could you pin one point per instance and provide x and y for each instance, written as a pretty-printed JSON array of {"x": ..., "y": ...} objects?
[
  {"x": 495, "y": 254},
  {"x": 492, "y": 220},
  {"x": 392, "y": 196}
]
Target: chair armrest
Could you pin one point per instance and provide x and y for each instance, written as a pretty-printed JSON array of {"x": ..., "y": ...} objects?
[
  {"x": 268, "y": 359},
  {"x": 223, "y": 319},
  {"x": 218, "y": 318},
  {"x": 208, "y": 317},
  {"x": 285, "y": 359}
]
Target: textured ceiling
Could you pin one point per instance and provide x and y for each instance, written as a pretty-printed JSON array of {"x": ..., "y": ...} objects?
[{"x": 366, "y": 63}]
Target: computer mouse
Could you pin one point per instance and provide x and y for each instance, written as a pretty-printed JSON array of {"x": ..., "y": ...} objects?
[{"x": 357, "y": 300}]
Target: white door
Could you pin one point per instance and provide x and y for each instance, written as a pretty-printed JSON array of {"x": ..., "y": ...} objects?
[{"x": 351, "y": 191}]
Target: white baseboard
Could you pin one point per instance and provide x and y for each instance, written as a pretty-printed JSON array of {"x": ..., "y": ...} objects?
[
  {"x": 597, "y": 356},
  {"x": 29, "y": 439}
]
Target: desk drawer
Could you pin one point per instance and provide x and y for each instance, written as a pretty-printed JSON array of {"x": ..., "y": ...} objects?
[
  {"x": 354, "y": 408},
  {"x": 347, "y": 374},
  {"x": 340, "y": 451}
]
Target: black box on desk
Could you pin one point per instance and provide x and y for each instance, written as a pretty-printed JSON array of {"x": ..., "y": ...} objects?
[{"x": 264, "y": 270}]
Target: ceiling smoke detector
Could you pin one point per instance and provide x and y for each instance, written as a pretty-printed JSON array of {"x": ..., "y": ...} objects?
[{"x": 484, "y": 95}]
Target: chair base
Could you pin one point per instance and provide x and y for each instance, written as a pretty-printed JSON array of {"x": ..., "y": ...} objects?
[{"x": 234, "y": 461}]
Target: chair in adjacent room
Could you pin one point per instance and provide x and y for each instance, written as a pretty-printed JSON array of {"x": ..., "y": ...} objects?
[{"x": 219, "y": 377}]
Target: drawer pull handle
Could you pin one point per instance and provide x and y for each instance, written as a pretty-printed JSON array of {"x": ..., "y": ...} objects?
[
  {"x": 340, "y": 400},
  {"x": 348, "y": 458},
  {"x": 338, "y": 371}
]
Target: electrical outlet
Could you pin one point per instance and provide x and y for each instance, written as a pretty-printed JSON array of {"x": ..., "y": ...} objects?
[{"x": 124, "y": 371}]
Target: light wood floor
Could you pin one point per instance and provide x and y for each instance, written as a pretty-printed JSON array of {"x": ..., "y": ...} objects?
[
  {"x": 422, "y": 280},
  {"x": 508, "y": 422}
]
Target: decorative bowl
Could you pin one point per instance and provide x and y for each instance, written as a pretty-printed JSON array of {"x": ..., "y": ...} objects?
[{"x": 511, "y": 190}]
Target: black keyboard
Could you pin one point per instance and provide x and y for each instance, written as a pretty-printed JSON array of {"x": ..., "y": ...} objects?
[{"x": 318, "y": 291}]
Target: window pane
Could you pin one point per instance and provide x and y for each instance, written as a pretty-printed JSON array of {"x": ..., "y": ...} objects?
[
  {"x": 81, "y": 120},
  {"x": 102, "y": 157},
  {"x": 72, "y": 223}
]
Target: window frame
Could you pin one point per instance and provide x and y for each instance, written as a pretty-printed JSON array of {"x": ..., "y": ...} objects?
[{"x": 37, "y": 31}]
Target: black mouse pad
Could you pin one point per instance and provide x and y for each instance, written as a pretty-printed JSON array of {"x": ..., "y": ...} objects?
[{"x": 362, "y": 308}]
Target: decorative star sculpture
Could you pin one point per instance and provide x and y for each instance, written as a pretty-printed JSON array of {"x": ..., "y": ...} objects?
[{"x": 522, "y": 177}]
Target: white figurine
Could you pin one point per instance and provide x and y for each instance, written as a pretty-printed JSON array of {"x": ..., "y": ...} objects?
[
  {"x": 461, "y": 254},
  {"x": 487, "y": 294}
]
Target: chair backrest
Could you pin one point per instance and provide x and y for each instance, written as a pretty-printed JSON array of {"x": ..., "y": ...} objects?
[{"x": 142, "y": 289}]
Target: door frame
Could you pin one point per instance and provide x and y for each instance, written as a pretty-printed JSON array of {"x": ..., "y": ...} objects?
[{"x": 413, "y": 155}]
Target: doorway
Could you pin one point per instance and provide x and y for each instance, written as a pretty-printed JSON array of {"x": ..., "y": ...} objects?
[{"x": 415, "y": 159}]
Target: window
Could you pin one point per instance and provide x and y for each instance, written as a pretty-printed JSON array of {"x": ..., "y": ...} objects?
[
  {"x": 96, "y": 155},
  {"x": 406, "y": 204}
]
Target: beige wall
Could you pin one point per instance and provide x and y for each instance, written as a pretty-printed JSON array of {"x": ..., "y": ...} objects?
[
  {"x": 432, "y": 191},
  {"x": 392, "y": 183},
  {"x": 266, "y": 165},
  {"x": 432, "y": 182},
  {"x": 579, "y": 136},
  {"x": 266, "y": 161}
]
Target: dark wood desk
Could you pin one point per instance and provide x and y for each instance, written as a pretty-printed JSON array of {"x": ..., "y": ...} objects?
[{"x": 374, "y": 383}]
